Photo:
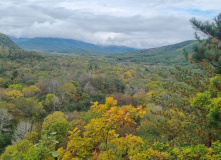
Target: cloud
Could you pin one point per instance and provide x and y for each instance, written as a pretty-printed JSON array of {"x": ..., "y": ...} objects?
[{"x": 140, "y": 23}]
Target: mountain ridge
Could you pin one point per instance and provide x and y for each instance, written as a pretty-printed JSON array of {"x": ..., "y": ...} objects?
[
  {"x": 170, "y": 54},
  {"x": 7, "y": 42},
  {"x": 61, "y": 45}
]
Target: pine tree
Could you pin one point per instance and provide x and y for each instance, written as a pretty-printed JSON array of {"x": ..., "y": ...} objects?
[{"x": 207, "y": 53}]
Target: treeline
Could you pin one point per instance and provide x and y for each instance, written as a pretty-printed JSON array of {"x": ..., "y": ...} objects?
[{"x": 167, "y": 55}]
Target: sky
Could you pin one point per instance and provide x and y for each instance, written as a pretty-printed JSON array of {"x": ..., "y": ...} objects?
[{"x": 132, "y": 23}]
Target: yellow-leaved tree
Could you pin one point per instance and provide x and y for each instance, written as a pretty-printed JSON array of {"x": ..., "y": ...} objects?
[{"x": 100, "y": 139}]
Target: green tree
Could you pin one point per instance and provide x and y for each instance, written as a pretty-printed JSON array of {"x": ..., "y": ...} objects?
[
  {"x": 208, "y": 52},
  {"x": 56, "y": 122},
  {"x": 14, "y": 74},
  {"x": 30, "y": 108},
  {"x": 184, "y": 120},
  {"x": 11, "y": 151},
  {"x": 25, "y": 150}
]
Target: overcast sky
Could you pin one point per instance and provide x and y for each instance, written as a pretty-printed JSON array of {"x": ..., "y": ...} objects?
[{"x": 133, "y": 23}]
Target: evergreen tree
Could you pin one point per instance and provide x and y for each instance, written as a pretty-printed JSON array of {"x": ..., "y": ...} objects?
[{"x": 207, "y": 53}]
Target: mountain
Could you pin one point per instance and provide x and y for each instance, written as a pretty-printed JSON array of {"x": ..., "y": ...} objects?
[
  {"x": 171, "y": 54},
  {"x": 7, "y": 42},
  {"x": 59, "y": 45}
]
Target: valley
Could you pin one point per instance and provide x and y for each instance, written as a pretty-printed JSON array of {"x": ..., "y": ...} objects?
[{"x": 67, "y": 99}]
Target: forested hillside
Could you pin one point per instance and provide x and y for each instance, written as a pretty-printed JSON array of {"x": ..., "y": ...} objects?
[
  {"x": 61, "y": 106},
  {"x": 33, "y": 85},
  {"x": 171, "y": 54},
  {"x": 7, "y": 42},
  {"x": 58, "y": 45}
]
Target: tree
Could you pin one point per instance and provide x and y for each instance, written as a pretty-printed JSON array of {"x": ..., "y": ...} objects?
[
  {"x": 184, "y": 121},
  {"x": 208, "y": 52},
  {"x": 14, "y": 74},
  {"x": 210, "y": 29},
  {"x": 208, "y": 103},
  {"x": 22, "y": 129},
  {"x": 5, "y": 120},
  {"x": 27, "y": 150},
  {"x": 14, "y": 94},
  {"x": 15, "y": 86},
  {"x": 11, "y": 108},
  {"x": 70, "y": 90},
  {"x": 100, "y": 137},
  {"x": 30, "y": 91},
  {"x": 30, "y": 108},
  {"x": 52, "y": 100},
  {"x": 13, "y": 150},
  {"x": 56, "y": 122}
]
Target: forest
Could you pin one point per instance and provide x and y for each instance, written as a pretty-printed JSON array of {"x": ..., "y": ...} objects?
[{"x": 121, "y": 106}]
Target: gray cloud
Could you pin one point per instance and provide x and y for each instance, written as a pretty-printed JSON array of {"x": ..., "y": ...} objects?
[{"x": 140, "y": 23}]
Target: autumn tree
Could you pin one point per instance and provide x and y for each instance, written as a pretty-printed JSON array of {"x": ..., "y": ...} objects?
[
  {"x": 100, "y": 136},
  {"x": 30, "y": 91},
  {"x": 12, "y": 94},
  {"x": 70, "y": 90}
]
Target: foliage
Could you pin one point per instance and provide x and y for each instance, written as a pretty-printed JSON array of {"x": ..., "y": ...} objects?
[
  {"x": 22, "y": 129},
  {"x": 42, "y": 150},
  {"x": 26, "y": 150},
  {"x": 5, "y": 140},
  {"x": 100, "y": 133},
  {"x": 14, "y": 94},
  {"x": 5, "y": 120},
  {"x": 208, "y": 52},
  {"x": 15, "y": 87},
  {"x": 30, "y": 91},
  {"x": 32, "y": 137},
  {"x": 181, "y": 119},
  {"x": 56, "y": 122},
  {"x": 31, "y": 108},
  {"x": 48, "y": 99},
  {"x": 12, "y": 150}
]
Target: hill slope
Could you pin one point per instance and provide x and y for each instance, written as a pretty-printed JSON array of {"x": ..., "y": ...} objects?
[
  {"x": 67, "y": 46},
  {"x": 7, "y": 42},
  {"x": 171, "y": 54}
]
